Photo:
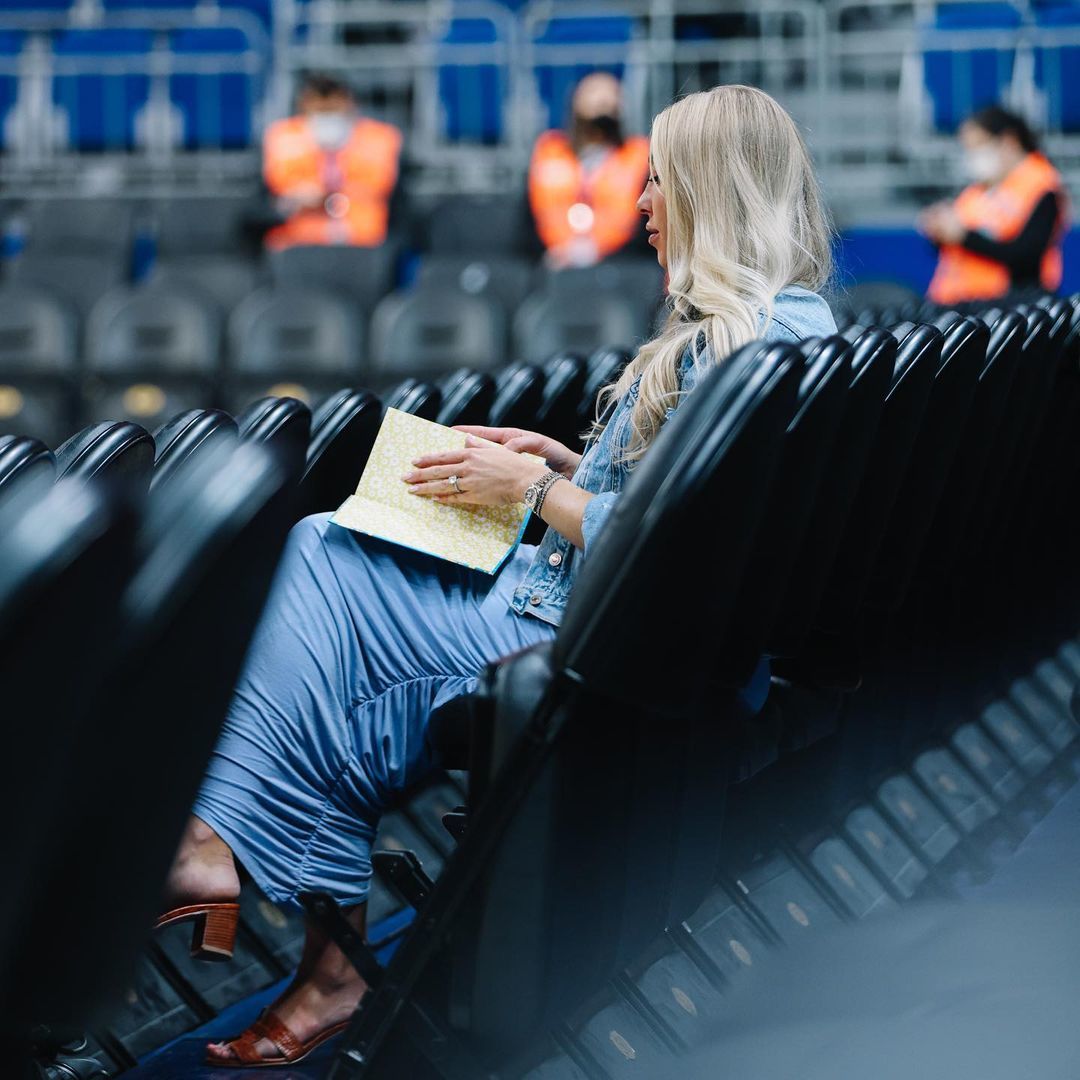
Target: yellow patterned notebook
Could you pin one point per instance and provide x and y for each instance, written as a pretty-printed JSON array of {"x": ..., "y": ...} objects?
[{"x": 477, "y": 536}]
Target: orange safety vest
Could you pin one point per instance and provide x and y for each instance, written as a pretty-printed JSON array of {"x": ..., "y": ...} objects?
[
  {"x": 1001, "y": 212},
  {"x": 364, "y": 171},
  {"x": 557, "y": 184}
]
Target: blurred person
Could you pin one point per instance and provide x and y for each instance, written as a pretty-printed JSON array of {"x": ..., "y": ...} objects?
[
  {"x": 583, "y": 183},
  {"x": 360, "y": 639},
  {"x": 1003, "y": 232},
  {"x": 332, "y": 171}
]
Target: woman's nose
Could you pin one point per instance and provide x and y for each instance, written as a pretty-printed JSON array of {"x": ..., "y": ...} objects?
[{"x": 644, "y": 203}]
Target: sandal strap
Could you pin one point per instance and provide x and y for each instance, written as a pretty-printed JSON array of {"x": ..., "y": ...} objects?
[
  {"x": 243, "y": 1046},
  {"x": 273, "y": 1029}
]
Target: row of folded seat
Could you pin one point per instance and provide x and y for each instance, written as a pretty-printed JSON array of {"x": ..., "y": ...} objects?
[
  {"x": 902, "y": 549},
  {"x": 149, "y": 352}
]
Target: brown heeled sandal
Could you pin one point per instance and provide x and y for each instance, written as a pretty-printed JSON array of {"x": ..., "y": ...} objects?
[
  {"x": 213, "y": 935},
  {"x": 269, "y": 1026}
]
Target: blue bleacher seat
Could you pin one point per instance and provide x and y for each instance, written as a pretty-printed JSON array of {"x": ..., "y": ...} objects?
[
  {"x": 36, "y": 5},
  {"x": 556, "y": 83},
  {"x": 961, "y": 79},
  {"x": 10, "y": 46},
  {"x": 261, "y": 9},
  {"x": 1057, "y": 68},
  {"x": 148, "y": 5},
  {"x": 216, "y": 108},
  {"x": 102, "y": 107},
  {"x": 471, "y": 94}
]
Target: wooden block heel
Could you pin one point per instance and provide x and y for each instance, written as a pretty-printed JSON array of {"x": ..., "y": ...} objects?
[{"x": 213, "y": 933}]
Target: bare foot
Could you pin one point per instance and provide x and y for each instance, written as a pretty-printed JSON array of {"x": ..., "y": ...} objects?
[
  {"x": 203, "y": 870},
  {"x": 325, "y": 992}
]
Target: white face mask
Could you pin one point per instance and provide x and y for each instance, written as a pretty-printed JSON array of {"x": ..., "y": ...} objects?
[
  {"x": 330, "y": 130},
  {"x": 983, "y": 165}
]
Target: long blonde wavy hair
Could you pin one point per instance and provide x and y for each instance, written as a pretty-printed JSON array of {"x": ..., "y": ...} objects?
[{"x": 744, "y": 220}]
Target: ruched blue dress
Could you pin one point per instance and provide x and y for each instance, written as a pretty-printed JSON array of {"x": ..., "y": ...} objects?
[{"x": 358, "y": 642}]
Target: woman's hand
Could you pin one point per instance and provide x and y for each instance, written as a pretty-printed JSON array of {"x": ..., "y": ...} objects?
[
  {"x": 486, "y": 475},
  {"x": 560, "y": 458}
]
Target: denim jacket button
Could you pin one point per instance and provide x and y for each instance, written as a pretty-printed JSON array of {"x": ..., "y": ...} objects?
[
  {"x": 554, "y": 559},
  {"x": 535, "y": 599}
]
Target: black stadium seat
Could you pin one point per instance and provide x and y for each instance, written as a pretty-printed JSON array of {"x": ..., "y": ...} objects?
[
  {"x": 291, "y": 335},
  {"x": 38, "y": 353},
  {"x": 552, "y": 320},
  {"x": 422, "y": 399},
  {"x": 519, "y": 394},
  {"x": 872, "y": 362},
  {"x": 554, "y": 881},
  {"x": 183, "y": 438},
  {"x": 343, "y": 430},
  {"x": 118, "y": 451},
  {"x": 559, "y": 413},
  {"x": 206, "y": 551},
  {"x": 150, "y": 352},
  {"x": 430, "y": 330},
  {"x": 482, "y": 225},
  {"x": 603, "y": 369},
  {"x": 363, "y": 275},
  {"x": 467, "y": 397},
  {"x": 222, "y": 279},
  {"x": 81, "y": 279},
  {"x": 281, "y": 423},
  {"x": 65, "y": 555},
  {"x": 506, "y": 279},
  {"x": 24, "y": 460}
]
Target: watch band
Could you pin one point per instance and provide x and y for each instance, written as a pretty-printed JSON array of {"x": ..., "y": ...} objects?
[{"x": 541, "y": 487}]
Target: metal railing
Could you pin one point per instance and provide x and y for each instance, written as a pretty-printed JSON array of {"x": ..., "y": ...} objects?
[{"x": 851, "y": 71}]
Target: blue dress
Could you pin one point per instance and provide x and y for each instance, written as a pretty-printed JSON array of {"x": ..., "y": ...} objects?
[{"x": 359, "y": 641}]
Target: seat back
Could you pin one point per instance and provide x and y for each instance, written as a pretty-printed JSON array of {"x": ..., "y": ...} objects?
[
  {"x": 519, "y": 394},
  {"x": 79, "y": 278},
  {"x": 506, "y": 279},
  {"x": 223, "y": 279},
  {"x": 976, "y": 451},
  {"x": 873, "y": 359},
  {"x": 282, "y": 332},
  {"x": 185, "y": 438},
  {"x": 753, "y": 392},
  {"x": 808, "y": 441},
  {"x": 153, "y": 333},
  {"x": 579, "y": 879},
  {"x": 65, "y": 555},
  {"x": 363, "y": 275},
  {"x": 117, "y": 451},
  {"x": 918, "y": 358},
  {"x": 467, "y": 397},
  {"x": 422, "y": 399},
  {"x": 602, "y": 369},
  {"x": 481, "y": 225},
  {"x": 431, "y": 330},
  {"x": 281, "y": 423},
  {"x": 343, "y": 431},
  {"x": 577, "y": 321},
  {"x": 38, "y": 334},
  {"x": 952, "y": 394},
  {"x": 24, "y": 460},
  {"x": 565, "y": 382},
  {"x": 207, "y": 548}
]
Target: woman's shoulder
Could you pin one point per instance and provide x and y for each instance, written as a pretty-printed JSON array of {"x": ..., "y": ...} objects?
[{"x": 799, "y": 313}]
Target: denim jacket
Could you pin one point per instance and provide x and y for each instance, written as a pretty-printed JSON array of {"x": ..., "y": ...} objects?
[{"x": 797, "y": 314}]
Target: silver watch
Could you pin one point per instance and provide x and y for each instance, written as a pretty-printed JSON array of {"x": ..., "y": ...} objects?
[{"x": 537, "y": 491}]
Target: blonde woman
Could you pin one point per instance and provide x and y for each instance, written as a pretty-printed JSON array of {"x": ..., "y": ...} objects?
[{"x": 360, "y": 640}]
